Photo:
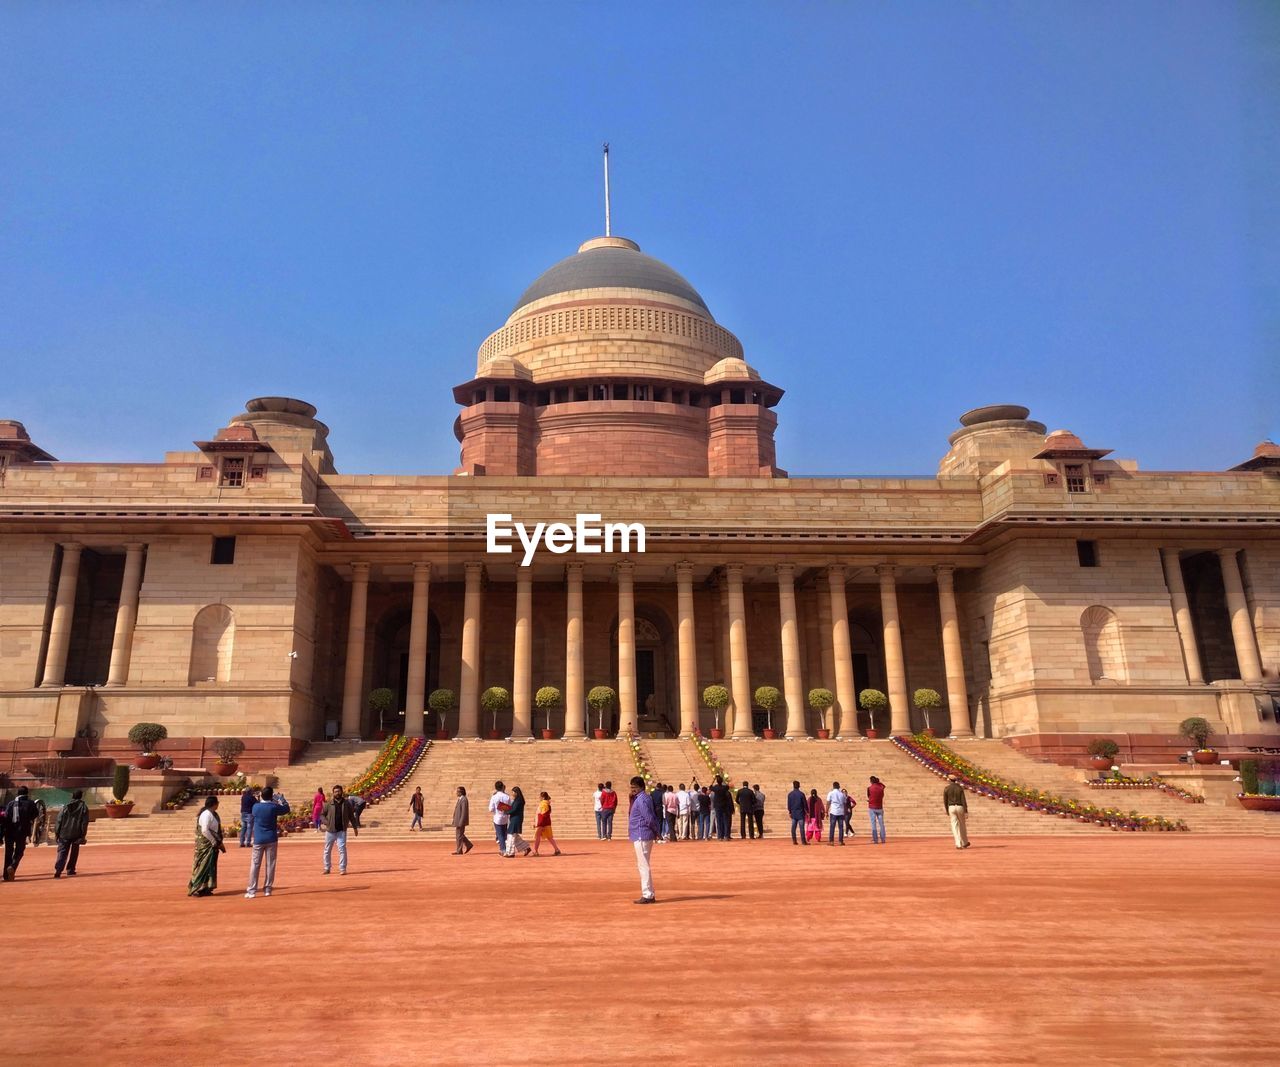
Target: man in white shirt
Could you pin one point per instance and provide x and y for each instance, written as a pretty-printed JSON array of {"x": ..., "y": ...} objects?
[
  {"x": 599, "y": 811},
  {"x": 499, "y": 806},
  {"x": 835, "y": 813},
  {"x": 682, "y": 812}
]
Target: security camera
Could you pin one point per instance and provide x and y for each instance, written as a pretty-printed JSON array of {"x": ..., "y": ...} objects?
[{"x": 293, "y": 655}]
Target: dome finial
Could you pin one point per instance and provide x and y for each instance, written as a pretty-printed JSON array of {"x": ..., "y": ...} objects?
[{"x": 606, "y": 190}]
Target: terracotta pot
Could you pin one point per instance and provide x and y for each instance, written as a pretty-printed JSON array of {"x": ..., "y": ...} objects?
[
  {"x": 928, "y": 732},
  {"x": 493, "y": 735},
  {"x": 823, "y": 735},
  {"x": 147, "y": 761},
  {"x": 225, "y": 770},
  {"x": 598, "y": 734},
  {"x": 770, "y": 735},
  {"x": 872, "y": 735},
  {"x": 1258, "y": 802},
  {"x": 119, "y": 811},
  {"x": 1206, "y": 756},
  {"x": 1099, "y": 763},
  {"x": 548, "y": 735},
  {"x": 442, "y": 735},
  {"x": 379, "y": 735},
  {"x": 716, "y": 734}
]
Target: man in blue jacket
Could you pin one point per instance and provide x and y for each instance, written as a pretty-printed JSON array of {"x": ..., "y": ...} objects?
[
  {"x": 265, "y": 836},
  {"x": 796, "y": 805},
  {"x": 642, "y": 828}
]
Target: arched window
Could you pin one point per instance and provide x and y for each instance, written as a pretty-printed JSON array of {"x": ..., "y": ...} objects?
[
  {"x": 212, "y": 636},
  {"x": 1101, "y": 631}
]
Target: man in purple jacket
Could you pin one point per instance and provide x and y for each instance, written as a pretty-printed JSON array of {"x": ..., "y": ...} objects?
[{"x": 642, "y": 828}]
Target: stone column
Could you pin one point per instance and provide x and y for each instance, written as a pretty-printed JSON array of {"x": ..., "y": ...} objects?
[
  {"x": 828, "y": 655},
  {"x": 726, "y": 654},
  {"x": 741, "y": 669},
  {"x": 353, "y": 684},
  {"x": 469, "y": 683},
  {"x": 789, "y": 626},
  {"x": 952, "y": 655},
  {"x": 846, "y": 708},
  {"x": 126, "y": 615},
  {"x": 627, "y": 711},
  {"x": 1172, "y": 560},
  {"x": 575, "y": 698},
  {"x": 1237, "y": 605},
  {"x": 522, "y": 680},
  {"x": 687, "y": 649},
  {"x": 415, "y": 699},
  {"x": 64, "y": 606},
  {"x": 894, "y": 666}
]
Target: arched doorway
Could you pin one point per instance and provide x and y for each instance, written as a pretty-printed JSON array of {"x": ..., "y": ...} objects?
[
  {"x": 655, "y": 671},
  {"x": 391, "y": 664}
]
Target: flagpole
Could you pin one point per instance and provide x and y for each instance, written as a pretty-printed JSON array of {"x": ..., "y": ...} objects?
[{"x": 606, "y": 189}]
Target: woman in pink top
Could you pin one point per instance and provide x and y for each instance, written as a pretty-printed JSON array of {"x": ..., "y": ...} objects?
[{"x": 317, "y": 806}]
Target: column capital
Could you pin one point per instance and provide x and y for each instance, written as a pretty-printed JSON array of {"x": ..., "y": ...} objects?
[
  {"x": 944, "y": 570},
  {"x": 733, "y": 569},
  {"x": 71, "y": 546},
  {"x": 473, "y": 567},
  {"x": 684, "y": 569},
  {"x": 1225, "y": 553},
  {"x": 134, "y": 546},
  {"x": 785, "y": 571},
  {"x": 624, "y": 568},
  {"x": 421, "y": 567},
  {"x": 886, "y": 570},
  {"x": 835, "y": 571},
  {"x": 573, "y": 568},
  {"x": 360, "y": 571}
]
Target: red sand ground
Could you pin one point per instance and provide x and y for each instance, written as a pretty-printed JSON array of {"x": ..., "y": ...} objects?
[{"x": 1113, "y": 949}]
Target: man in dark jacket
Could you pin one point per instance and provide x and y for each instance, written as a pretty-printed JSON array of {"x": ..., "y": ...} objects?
[
  {"x": 247, "y": 800},
  {"x": 746, "y": 811},
  {"x": 953, "y": 801},
  {"x": 797, "y": 809},
  {"x": 336, "y": 819},
  {"x": 70, "y": 830},
  {"x": 19, "y": 817}
]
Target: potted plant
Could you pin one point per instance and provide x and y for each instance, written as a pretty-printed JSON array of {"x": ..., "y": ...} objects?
[
  {"x": 547, "y": 699},
  {"x": 381, "y": 701},
  {"x": 926, "y": 700},
  {"x": 1258, "y": 785},
  {"x": 716, "y": 698},
  {"x": 1197, "y": 730},
  {"x": 120, "y": 806},
  {"x": 600, "y": 700},
  {"x": 495, "y": 699},
  {"x": 820, "y": 700},
  {"x": 1102, "y": 752},
  {"x": 146, "y": 735},
  {"x": 768, "y": 697},
  {"x": 871, "y": 701},
  {"x": 441, "y": 702},
  {"x": 227, "y": 748}
]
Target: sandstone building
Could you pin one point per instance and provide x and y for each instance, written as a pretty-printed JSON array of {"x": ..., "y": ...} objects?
[{"x": 243, "y": 586}]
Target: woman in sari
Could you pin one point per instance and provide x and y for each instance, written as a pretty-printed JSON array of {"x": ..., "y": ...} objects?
[{"x": 204, "y": 869}]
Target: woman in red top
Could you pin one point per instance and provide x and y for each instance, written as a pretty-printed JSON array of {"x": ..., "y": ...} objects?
[
  {"x": 817, "y": 815},
  {"x": 543, "y": 830}
]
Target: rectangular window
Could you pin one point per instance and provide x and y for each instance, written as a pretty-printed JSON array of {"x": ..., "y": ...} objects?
[
  {"x": 224, "y": 550},
  {"x": 641, "y": 392},
  {"x": 232, "y": 472},
  {"x": 1075, "y": 478},
  {"x": 599, "y": 392},
  {"x": 477, "y": 396},
  {"x": 737, "y": 396},
  {"x": 502, "y": 393},
  {"x": 543, "y": 398},
  {"x": 580, "y": 393},
  {"x": 1087, "y": 553},
  {"x": 257, "y": 474},
  {"x": 1050, "y": 480},
  {"x": 619, "y": 392},
  {"x": 1099, "y": 479}
]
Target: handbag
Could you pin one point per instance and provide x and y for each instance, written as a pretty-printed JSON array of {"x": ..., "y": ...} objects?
[{"x": 503, "y": 806}]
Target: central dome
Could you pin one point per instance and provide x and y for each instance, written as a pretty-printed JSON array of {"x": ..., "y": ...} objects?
[{"x": 610, "y": 263}]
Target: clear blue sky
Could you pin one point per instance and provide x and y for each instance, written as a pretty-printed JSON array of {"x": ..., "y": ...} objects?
[{"x": 903, "y": 210}]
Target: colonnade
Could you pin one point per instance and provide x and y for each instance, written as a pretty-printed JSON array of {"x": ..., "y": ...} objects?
[{"x": 1243, "y": 636}]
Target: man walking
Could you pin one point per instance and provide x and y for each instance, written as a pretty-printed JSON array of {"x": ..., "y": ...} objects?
[
  {"x": 953, "y": 800},
  {"x": 798, "y": 809},
  {"x": 671, "y": 807},
  {"x": 19, "y": 818},
  {"x": 336, "y": 820},
  {"x": 608, "y": 808},
  {"x": 247, "y": 800},
  {"x": 684, "y": 804},
  {"x": 499, "y": 807},
  {"x": 704, "y": 814},
  {"x": 758, "y": 810},
  {"x": 746, "y": 812},
  {"x": 722, "y": 807},
  {"x": 875, "y": 808},
  {"x": 461, "y": 816},
  {"x": 835, "y": 813},
  {"x": 418, "y": 806},
  {"x": 70, "y": 830},
  {"x": 598, "y": 799},
  {"x": 265, "y": 838},
  {"x": 642, "y": 829}
]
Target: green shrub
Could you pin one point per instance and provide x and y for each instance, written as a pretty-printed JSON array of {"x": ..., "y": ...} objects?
[
  {"x": 716, "y": 698},
  {"x": 821, "y": 699},
  {"x": 600, "y": 700},
  {"x": 228, "y": 748},
  {"x": 547, "y": 699},
  {"x": 146, "y": 735},
  {"x": 120, "y": 783},
  {"x": 1195, "y": 729},
  {"x": 1248, "y": 776},
  {"x": 441, "y": 702},
  {"x": 493, "y": 700},
  {"x": 1104, "y": 747},
  {"x": 769, "y": 698}
]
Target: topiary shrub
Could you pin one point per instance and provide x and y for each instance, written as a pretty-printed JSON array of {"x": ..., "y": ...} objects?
[
  {"x": 441, "y": 702},
  {"x": 1249, "y": 776},
  {"x": 381, "y": 701},
  {"x": 495, "y": 699},
  {"x": 228, "y": 749},
  {"x": 600, "y": 700},
  {"x": 1195, "y": 729},
  {"x": 820, "y": 700},
  {"x": 926, "y": 700},
  {"x": 769, "y": 698},
  {"x": 871, "y": 701},
  {"x": 146, "y": 735},
  {"x": 547, "y": 699},
  {"x": 120, "y": 782},
  {"x": 1104, "y": 747},
  {"x": 716, "y": 698}
]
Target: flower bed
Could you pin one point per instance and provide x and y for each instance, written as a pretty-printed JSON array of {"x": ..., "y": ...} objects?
[
  {"x": 708, "y": 757},
  {"x": 936, "y": 757},
  {"x": 393, "y": 764},
  {"x": 638, "y": 758},
  {"x": 232, "y": 788},
  {"x": 1121, "y": 781}
]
